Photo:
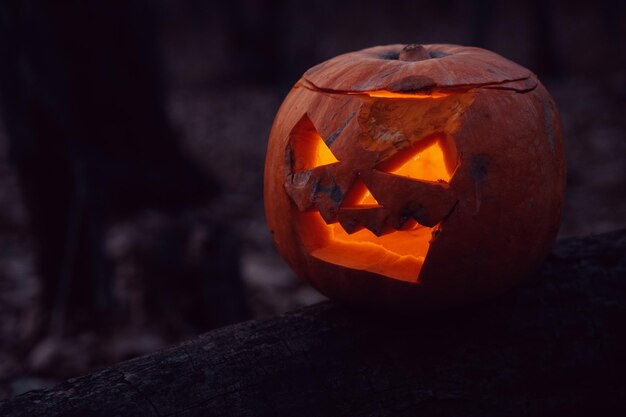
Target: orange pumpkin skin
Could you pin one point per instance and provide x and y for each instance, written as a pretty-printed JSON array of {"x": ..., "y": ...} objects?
[{"x": 489, "y": 225}]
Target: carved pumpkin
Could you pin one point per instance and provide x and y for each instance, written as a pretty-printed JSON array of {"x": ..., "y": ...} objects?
[{"x": 416, "y": 177}]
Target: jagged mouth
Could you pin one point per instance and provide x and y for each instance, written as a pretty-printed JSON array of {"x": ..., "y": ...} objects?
[{"x": 398, "y": 254}]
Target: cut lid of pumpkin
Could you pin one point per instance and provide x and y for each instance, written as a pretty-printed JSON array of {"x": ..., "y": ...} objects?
[{"x": 418, "y": 68}]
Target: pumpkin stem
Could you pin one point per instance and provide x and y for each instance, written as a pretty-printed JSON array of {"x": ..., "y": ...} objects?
[{"x": 413, "y": 52}]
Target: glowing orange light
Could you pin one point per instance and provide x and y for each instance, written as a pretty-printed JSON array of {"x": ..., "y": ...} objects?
[
  {"x": 360, "y": 196},
  {"x": 323, "y": 154},
  {"x": 310, "y": 150},
  {"x": 391, "y": 94},
  {"x": 368, "y": 200},
  {"x": 398, "y": 255},
  {"x": 427, "y": 164}
]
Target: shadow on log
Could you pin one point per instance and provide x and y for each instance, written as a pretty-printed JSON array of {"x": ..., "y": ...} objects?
[{"x": 556, "y": 346}]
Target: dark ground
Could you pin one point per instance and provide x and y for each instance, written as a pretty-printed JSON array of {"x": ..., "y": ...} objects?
[{"x": 224, "y": 114}]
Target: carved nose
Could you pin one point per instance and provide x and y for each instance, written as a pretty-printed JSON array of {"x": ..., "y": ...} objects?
[{"x": 425, "y": 201}]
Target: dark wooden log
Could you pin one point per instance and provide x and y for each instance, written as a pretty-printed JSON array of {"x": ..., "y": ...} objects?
[{"x": 556, "y": 346}]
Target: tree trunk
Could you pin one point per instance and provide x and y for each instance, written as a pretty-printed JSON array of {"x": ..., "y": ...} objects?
[{"x": 556, "y": 346}]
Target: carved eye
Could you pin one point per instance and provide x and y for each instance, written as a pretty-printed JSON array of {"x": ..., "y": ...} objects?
[
  {"x": 432, "y": 159},
  {"x": 309, "y": 149}
]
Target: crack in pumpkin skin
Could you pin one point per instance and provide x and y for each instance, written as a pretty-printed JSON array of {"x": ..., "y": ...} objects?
[
  {"x": 519, "y": 85},
  {"x": 395, "y": 120}
]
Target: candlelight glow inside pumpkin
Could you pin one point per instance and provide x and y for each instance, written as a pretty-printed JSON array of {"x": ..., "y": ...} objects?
[
  {"x": 392, "y": 94},
  {"x": 398, "y": 254}
]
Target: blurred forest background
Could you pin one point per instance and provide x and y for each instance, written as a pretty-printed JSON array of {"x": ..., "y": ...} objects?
[{"x": 169, "y": 258}]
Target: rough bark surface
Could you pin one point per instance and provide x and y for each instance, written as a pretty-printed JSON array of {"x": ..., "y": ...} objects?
[{"x": 556, "y": 346}]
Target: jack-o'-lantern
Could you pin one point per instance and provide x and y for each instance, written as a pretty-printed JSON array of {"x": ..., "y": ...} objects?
[{"x": 415, "y": 177}]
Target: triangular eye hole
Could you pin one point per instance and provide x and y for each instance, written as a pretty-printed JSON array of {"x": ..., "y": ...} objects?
[
  {"x": 428, "y": 160},
  {"x": 359, "y": 196},
  {"x": 308, "y": 148}
]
